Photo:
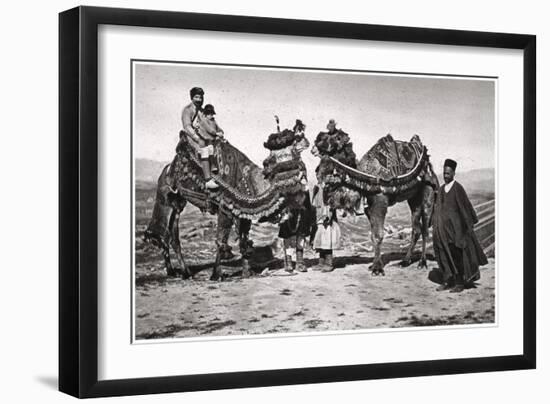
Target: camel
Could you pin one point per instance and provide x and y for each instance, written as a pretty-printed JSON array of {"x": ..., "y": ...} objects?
[
  {"x": 246, "y": 193},
  {"x": 390, "y": 172}
]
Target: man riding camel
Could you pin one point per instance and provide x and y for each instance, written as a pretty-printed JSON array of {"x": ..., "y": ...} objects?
[
  {"x": 201, "y": 130},
  {"x": 331, "y": 127}
]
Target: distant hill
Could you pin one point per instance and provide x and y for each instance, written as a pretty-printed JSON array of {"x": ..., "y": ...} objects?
[
  {"x": 474, "y": 181},
  {"x": 148, "y": 170},
  {"x": 478, "y": 180}
]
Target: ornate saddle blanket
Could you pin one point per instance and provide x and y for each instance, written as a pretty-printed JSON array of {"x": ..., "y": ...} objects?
[
  {"x": 244, "y": 191},
  {"x": 390, "y": 158},
  {"x": 390, "y": 167},
  {"x": 238, "y": 172}
]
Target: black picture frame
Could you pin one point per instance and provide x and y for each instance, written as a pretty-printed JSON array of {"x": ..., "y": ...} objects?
[{"x": 78, "y": 200}]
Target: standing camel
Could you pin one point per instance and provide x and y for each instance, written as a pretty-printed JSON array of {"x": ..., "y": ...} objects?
[
  {"x": 390, "y": 172},
  {"x": 245, "y": 193}
]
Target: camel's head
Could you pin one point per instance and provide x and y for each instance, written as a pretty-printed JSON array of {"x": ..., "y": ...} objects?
[
  {"x": 285, "y": 150},
  {"x": 335, "y": 144},
  {"x": 301, "y": 142},
  {"x": 289, "y": 139}
]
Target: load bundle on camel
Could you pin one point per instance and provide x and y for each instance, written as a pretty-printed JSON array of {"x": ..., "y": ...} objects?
[
  {"x": 246, "y": 192},
  {"x": 298, "y": 218},
  {"x": 391, "y": 171}
]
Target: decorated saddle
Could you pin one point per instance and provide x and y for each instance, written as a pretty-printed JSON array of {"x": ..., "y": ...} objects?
[
  {"x": 390, "y": 158},
  {"x": 246, "y": 190},
  {"x": 390, "y": 166}
]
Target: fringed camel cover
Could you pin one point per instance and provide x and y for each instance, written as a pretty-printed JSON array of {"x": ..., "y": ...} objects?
[
  {"x": 245, "y": 190},
  {"x": 390, "y": 167}
]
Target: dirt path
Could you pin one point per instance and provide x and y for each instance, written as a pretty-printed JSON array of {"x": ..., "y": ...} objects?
[{"x": 348, "y": 298}]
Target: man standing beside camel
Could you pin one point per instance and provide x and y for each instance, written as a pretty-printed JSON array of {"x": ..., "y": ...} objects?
[{"x": 456, "y": 247}]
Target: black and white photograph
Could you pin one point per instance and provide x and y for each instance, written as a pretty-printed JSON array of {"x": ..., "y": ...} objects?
[{"x": 273, "y": 201}]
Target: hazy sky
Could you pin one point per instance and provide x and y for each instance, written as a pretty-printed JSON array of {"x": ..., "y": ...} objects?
[{"x": 454, "y": 117}]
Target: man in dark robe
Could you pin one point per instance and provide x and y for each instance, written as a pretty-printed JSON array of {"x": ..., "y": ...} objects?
[
  {"x": 456, "y": 247},
  {"x": 295, "y": 226}
]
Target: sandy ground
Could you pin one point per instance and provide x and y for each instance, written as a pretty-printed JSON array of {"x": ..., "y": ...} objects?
[{"x": 349, "y": 298}]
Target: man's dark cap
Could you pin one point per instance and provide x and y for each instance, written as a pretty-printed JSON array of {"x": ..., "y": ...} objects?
[
  {"x": 209, "y": 109},
  {"x": 196, "y": 90},
  {"x": 450, "y": 163}
]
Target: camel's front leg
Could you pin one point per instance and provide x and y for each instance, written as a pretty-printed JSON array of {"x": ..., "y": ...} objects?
[
  {"x": 222, "y": 235},
  {"x": 428, "y": 201},
  {"x": 161, "y": 240},
  {"x": 416, "y": 209},
  {"x": 158, "y": 231},
  {"x": 423, "y": 263},
  {"x": 245, "y": 245},
  {"x": 176, "y": 244},
  {"x": 376, "y": 212},
  {"x": 170, "y": 271}
]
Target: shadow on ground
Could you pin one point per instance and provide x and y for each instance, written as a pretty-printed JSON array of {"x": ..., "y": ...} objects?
[{"x": 274, "y": 264}]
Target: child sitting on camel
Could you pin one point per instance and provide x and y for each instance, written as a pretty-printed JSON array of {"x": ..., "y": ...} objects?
[{"x": 200, "y": 129}]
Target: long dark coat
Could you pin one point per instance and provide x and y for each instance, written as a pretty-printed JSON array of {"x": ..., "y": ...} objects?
[
  {"x": 453, "y": 229},
  {"x": 300, "y": 221}
]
